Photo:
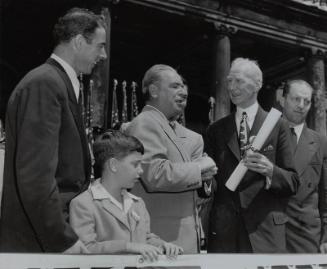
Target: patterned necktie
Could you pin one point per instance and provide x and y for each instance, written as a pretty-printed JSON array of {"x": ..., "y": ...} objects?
[
  {"x": 243, "y": 134},
  {"x": 293, "y": 138}
]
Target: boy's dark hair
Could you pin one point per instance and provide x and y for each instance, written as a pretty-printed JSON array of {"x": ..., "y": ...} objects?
[
  {"x": 77, "y": 21},
  {"x": 114, "y": 144}
]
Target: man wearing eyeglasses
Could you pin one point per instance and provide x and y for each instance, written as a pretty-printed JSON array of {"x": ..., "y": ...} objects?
[{"x": 307, "y": 210}]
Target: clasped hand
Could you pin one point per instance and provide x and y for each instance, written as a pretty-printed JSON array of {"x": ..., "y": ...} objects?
[
  {"x": 259, "y": 163},
  {"x": 208, "y": 167}
]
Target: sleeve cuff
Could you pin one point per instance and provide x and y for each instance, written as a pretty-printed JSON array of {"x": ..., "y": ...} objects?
[{"x": 268, "y": 183}]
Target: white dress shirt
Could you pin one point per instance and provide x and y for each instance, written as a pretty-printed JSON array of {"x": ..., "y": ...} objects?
[
  {"x": 251, "y": 112},
  {"x": 70, "y": 72},
  {"x": 298, "y": 130}
]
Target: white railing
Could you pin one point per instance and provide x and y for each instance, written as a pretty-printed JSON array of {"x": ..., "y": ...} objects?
[
  {"x": 203, "y": 261},
  {"x": 321, "y": 4}
]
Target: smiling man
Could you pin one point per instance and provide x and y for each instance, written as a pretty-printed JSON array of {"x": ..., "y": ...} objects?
[
  {"x": 47, "y": 159},
  {"x": 251, "y": 219},
  {"x": 170, "y": 177},
  {"x": 306, "y": 230}
]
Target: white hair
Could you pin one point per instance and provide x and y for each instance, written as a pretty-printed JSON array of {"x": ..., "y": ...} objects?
[{"x": 251, "y": 69}]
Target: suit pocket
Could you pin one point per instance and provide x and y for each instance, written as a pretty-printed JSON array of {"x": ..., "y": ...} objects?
[
  {"x": 279, "y": 218},
  {"x": 270, "y": 154}
]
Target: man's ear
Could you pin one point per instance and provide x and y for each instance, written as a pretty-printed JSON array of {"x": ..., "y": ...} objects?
[
  {"x": 153, "y": 91},
  {"x": 282, "y": 101},
  {"x": 78, "y": 41},
  {"x": 280, "y": 98},
  {"x": 258, "y": 86},
  {"x": 112, "y": 162}
]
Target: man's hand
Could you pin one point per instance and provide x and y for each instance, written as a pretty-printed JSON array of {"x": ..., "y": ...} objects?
[
  {"x": 259, "y": 163},
  {"x": 207, "y": 165},
  {"x": 171, "y": 250},
  {"x": 208, "y": 175},
  {"x": 323, "y": 248},
  {"x": 149, "y": 252},
  {"x": 77, "y": 248}
]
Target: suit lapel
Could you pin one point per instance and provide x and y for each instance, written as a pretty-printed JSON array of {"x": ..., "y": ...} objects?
[
  {"x": 231, "y": 136},
  {"x": 76, "y": 112},
  {"x": 169, "y": 131},
  {"x": 69, "y": 85},
  {"x": 304, "y": 151},
  {"x": 132, "y": 219},
  {"x": 115, "y": 211}
]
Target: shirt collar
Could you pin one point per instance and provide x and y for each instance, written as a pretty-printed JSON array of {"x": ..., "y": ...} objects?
[
  {"x": 251, "y": 112},
  {"x": 298, "y": 130},
  {"x": 70, "y": 72},
  {"x": 100, "y": 193}
]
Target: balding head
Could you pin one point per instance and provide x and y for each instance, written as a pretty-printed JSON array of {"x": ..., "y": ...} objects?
[{"x": 153, "y": 75}]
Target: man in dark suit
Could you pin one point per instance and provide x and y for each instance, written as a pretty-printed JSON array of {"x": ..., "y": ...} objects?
[
  {"x": 251, "y": 219},
  {"x": 306, "y": 230},
  {"x": 47, "y": 159}
]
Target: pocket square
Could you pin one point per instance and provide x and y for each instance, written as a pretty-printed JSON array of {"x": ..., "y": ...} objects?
[{"x": 268, "y": 148}]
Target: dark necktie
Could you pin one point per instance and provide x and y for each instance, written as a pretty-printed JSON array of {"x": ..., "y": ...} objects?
[
  {"x": 243, "y": 134},
  {"x": 80, "y": 99},
  {"x": 293, "y": 138}
]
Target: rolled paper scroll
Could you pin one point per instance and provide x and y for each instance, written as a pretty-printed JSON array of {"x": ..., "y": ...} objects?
[{"x": 265, "y": 130}]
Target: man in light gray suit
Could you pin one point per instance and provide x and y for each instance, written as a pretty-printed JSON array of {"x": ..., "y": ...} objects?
[
  {"x": 307, "y": 210},
  {"x": 171, "y": 175}
]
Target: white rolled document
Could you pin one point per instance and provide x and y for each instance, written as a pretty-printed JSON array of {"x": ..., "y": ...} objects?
[{"x": 265, "y": 130}]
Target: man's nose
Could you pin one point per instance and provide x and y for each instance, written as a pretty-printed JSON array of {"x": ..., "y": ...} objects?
[
  {"x": 103, "y": 54},
  {"x": 301, "y": 103},
  {"x": 140, "y": 171},
  {"x": 183, "y": 92}
]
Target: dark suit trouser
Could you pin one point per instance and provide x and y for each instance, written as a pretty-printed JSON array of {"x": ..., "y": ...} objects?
[
  {"x": 235, "y": 239},
  {"x": 238, "y": 242}
]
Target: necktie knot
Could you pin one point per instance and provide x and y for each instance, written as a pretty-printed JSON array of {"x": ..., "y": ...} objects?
[
  {"x": 172, "y": 124},
  {"x": 293, "y": 133}
]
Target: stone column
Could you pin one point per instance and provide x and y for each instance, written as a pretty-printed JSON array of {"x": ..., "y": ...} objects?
[
  {"x": 221, "y": 65},
  {"x": 316, "y": 77}
]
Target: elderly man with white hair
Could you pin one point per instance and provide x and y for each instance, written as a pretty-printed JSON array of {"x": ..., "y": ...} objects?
[{"x": 251, "y": 219}]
